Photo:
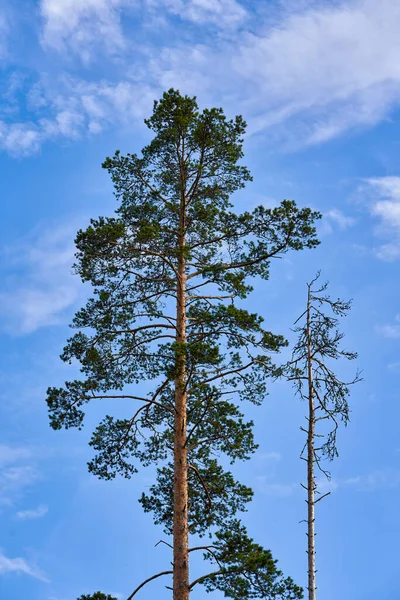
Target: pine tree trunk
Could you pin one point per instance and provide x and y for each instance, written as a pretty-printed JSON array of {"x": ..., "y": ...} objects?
[
  {"x": 310, "y": 463},
  {"x": 180, "y": 530}
]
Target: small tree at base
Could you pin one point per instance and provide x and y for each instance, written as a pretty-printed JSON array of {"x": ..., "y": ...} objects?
[
  {"x": 326, "y": 395},
  {"x": 169, "y": 273},
  {"x": 97, "y": 596}
]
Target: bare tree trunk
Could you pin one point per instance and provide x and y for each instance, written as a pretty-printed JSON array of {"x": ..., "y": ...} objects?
[
  {"x": 318, "y": 343},
  {"x": 310, "y": 461},
  {"x": 180, "y": 531}
]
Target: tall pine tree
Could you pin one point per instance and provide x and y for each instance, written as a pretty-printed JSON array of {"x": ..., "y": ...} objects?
[{"x": 170, "y": 272}]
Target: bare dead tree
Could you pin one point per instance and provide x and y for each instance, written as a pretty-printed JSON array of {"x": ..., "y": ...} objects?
[{"x": 318, "y": 345}]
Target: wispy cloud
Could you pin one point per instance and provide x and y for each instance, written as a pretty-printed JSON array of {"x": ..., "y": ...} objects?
[
  {"x": 17, "y": 472},
  {"x": 341, "y": 220},
  {"x": 394, "y": 366},
  {"x": 4, "y": 30},
  {"x": 12, "y": 454},
  {"x": 271, "y": 488},
  {"x": 20, "y": 565},
  {"x": 384, "y": 195},
  {"x": 41, "y": 286},
  {"x": 36, "y": 513},
  {"x": 307, "y": 75},
  {"x": 390, "y": 330},
  {"x": 71, "y": 109},
  {"x": 86, "y": 26},
  {"x": 223, "y": 13},
  {"x": 273, "y": 456},
  {"x": 335, "y": 219},
  {"x": 382, "y": 479},
  {"x": 78, "y": 25},
  {"x": 334, "y": 67},
  {"x": 13, "y": 480}
]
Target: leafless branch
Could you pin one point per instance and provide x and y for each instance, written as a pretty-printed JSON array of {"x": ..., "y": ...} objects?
[{"x": 148, "y": 581}]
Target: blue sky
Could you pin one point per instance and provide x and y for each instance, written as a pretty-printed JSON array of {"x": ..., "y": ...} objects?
[{"x": 319, "y": 85}]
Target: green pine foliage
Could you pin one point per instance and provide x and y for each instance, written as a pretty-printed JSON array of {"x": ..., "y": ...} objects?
[
  {"x": 97, "y": 596},
  {"x": 174, "y": 209}
]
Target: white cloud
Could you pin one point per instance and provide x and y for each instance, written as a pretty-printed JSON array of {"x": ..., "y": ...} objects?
[
  {"x": 20, "y": 139},
  {"x": 390, "y": 330},
  {"x": 85, "y": 25},
  {"x": 36, "y": 513},
  {"x": 78, "y": 25},
  {"x": 341, "y": 220},
  {"x": 12, "y": 454},
  {"x": 274, "y": 456},
  {"x": 20, "y": 565},
  {"x": 379, "y": 480},
  {"x": 14, "y": 480},
  {"x": 45, "y": 286},
  {"x": 18, "y": 471},
  {"x": 307, "y": 78},
  {"x": 72, "y": 109},
  {"x": 4, "y": 29},
  {"x": 306, "y": 75},
  {"x": 383, "y": 479},
  {"x": 341, "y": 63},
  {"x": 325, "y": 486},
  {"x": 387, "y": 208},
  {"x": 335, "y": 218},
  {"x": 384, "y": 196},
  {"x": 282, "y": 490},
  {"x": 219, "y": 12}
]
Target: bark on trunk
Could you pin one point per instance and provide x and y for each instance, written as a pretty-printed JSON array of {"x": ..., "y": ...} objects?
[
  {"x": 180, "y": 530},
  {"x": 310, "y": 463}
]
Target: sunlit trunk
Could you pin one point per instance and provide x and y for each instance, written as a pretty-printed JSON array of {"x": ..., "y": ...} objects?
[{"x": 180, "y": 531}]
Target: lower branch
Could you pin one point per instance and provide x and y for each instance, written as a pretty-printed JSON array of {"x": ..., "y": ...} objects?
[
  {"x": 147, "y": 581},
  {"x": 321, "y": 497}
]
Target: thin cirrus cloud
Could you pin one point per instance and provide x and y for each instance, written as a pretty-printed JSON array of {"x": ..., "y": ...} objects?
[
  {"x": 3, "y": 35},
  {"x": 82, "y": 25},
  {"x": 272, "y": 488},
  {"x": 338, "y": 64},
  {"x": 73, "y": 110},
  {"x": 267, "y": 456},
  {"x": 17, "y": 472},
  {"x": 380, "y": 480},
  {"x": 79, "y": 25},
  {"x": 12, "y": 454},
  {"x": 334, "y": 219},
  {"x": 391, "y": 331},
  {"x": 44, "y": 286},
  {"x": 223, "y": 13},
  {"x": 20, "y": 565},
  {"x": 308, "y": 75},
  {"x": 32, "y": 514},
  {"x": 384, "y": 205}
]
